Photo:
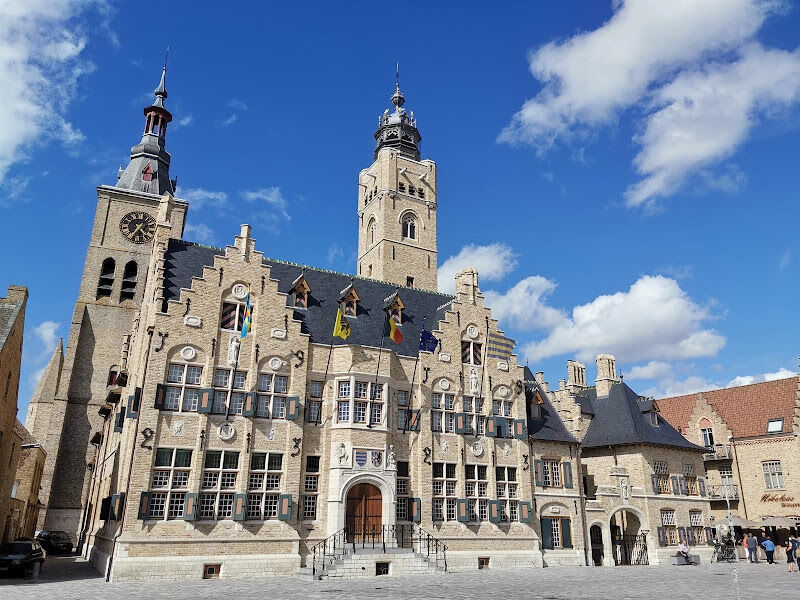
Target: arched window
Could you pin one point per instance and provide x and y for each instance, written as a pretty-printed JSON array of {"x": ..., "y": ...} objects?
[
  {"x": 372, "y": 231},
  {"x": 106, "y": 282},
  {"x": 409, "y": 227},
  {"x": 129, "y": 279}
]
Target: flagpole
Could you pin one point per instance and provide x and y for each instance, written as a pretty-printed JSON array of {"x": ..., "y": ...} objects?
[
  {"x": 377, "y": 370},
  {"x": 325, "y": 381},
  {"x": 413, "y": 378},
  {"x": 485, "y": 355}
]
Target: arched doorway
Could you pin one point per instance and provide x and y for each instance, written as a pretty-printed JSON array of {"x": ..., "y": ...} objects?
[
  {"x": 363, "y": 516},
  {"x": 628, "y": 543},
  {"x": 596, "y": 538}
]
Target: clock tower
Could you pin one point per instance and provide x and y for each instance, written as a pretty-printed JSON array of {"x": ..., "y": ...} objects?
[
  {"x": 112, "y": 287},
  {"x": 397, "y": 203}
]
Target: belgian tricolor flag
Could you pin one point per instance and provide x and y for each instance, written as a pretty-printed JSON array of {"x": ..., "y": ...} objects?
[{"x": 392, "y": 330}]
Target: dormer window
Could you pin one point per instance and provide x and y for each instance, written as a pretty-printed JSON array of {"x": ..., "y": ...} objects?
[
  {"x": 300, "y": 290},
  {"x": 349, "y": 301},
  {"x": 394, "y": 307},
  {"x": 654, "y": 418},
  {"x": 350, "y": 308}
]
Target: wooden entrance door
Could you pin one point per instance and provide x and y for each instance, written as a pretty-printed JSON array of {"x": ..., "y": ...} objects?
[{"x": 364, "y": 511}]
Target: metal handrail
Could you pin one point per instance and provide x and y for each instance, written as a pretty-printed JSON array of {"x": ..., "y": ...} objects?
[
  {"x": 348, "y": 540},
  {"x": 718, "y": 452},
  {"x": 717, "y": 492}
]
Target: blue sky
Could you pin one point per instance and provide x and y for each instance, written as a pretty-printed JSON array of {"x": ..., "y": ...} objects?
[{"x": 624, "y": 176}]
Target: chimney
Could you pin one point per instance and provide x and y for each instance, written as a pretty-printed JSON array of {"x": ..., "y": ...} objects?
[
  {"x": 540, "y": 380},
  {"x": 606, "y": 374},
  {"x": 576, "y": 376},
  {"x": 244, "y": 242},
  {"x": 467, "y": 283}
]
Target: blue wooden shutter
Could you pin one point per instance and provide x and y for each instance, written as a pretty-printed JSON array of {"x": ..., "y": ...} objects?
[
  {"x": 566, "y": 534},
  {"x": 567, "y": 468},
  {"x": 415, "y": 508},
  {"x": 249, "y": 408},
  {"x": 701, "y": 486},
  {"x": 501, "y": 427},
  {"x": 494, "y": 511},
  {"x": 520, "y": 429},
  {"x": 240, "y": 507},
  {"x": 547, "y": 533},
  {"x": 537, "y": 470},
  {"x": 119, "y": 420},
  {"x": 159, "y": 402},
  {"x": 206, "y": 400},
  {"x": 190, "y": 507},
  {"x": 676, "y": 487},
  {"x": 690, "y": 536},
  {"x": 462, "y": 510},
  {"x": 654, "y": 479},
  {"x": 461, "y": 423},
  {"x": 144, "y": 505},
  {"x": 285, "y": 507},
  {"x": 293, "y": 408},
  {"x": 525, "y": 512},
  {"x": 133, "y": 403},
  {"x": 662, "y": 536},
  {"x": 491, "y": 427},
  {"x": 413, "y": 424},
  {"x": 684, "y": 486},
  {"x": 112, "y": 514}
]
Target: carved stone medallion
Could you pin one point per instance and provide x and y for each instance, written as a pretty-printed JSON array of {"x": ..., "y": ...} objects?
[
  {"x": 226, "y": 431},
  {"x": 177, "y": 428},
  {"x": 472, "y": 331},
  {"x": 476, "y": 449},
  {"x": 502, "y": 391},
  {"x": 188, "y": 353},
  {"x": 240, "y": 291},
  {"x": 444, "y": 384},
  {"x": 275, "y": 363}
]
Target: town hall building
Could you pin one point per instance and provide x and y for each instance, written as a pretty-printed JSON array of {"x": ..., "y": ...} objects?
[{"x": 204, "y": 421}]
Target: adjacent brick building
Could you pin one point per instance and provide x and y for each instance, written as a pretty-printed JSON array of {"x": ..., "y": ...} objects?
[{"x": 25, "y": 503}]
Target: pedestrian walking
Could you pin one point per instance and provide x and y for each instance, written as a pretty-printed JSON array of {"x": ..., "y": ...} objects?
[
  {"x": 751, "y": 543},
  {"x": 796, "y": 547},
  {"x": 789, "y": 547},
  {"x": 769, "y": 550}
]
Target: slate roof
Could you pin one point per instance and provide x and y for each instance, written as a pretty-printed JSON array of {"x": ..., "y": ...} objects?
[
  {"x": 549, "y": 427},
  {"x": 620, "y": 419},
  {"x": 183, "y": 260},
  {"x": 745, "y": 409},
  {"x": 8, "y": 315}
]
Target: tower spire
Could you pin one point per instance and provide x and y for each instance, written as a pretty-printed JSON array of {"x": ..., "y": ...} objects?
[{"x": 398, "y": 129}]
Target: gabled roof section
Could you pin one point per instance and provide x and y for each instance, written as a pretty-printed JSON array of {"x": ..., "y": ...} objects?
[
  {"x": 549, "y": 427},
  {"x": 619, "y": 419},
  {"x": 183, "y": 260},
  {"x": 745, "y": 409},
  {"x": 300, "y": 284}
]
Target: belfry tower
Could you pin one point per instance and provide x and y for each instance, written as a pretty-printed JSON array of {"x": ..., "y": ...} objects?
[
  {"x": 64, "y": 411},
  {"x": 397, "y": 201}
]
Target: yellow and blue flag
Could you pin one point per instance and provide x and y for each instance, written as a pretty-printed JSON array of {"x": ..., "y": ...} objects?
[
  {"x": 247, "y": 322},
  {"x": 500, "y": 346}
]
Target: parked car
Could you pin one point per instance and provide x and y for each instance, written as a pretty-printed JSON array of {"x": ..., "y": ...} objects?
[
  {"x": 55, "y": 542},
  {"x": 19, "y": 558}
]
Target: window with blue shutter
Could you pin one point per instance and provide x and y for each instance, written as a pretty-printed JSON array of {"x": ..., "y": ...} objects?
[
  {"x": 491, "y": 427},
  {"x": 462, "y": 510},
  {"x": 414, "y": 422},
  {"x": 566, "y": 534},
  {"x": 461, "y": 423},
  {"x": 105, "y": 508},
  {"x": 285, "y": 507},
  {"x": 190, "y": 507},
  {"x": 159, "y": 401},
  {"x": 133, "y": 403},
  {"x": 701, "y": 486},
  {"x": 206, "y": 400},
  {"x": 547, "y": 533},
  {"x": 520, "y": 429},
  {"x": 500, "y": 426},
  {"x": 654, "y": 479},
  {"x": 415, "y": 506},
  {"x": 538, "y": 473},
  {"x": 684, "y": 486},
  {"x": 495, "y": 515},
  {"x": 690, "y": 536},
  {"x": 676, "y": 485},
  {"x": 662, "y": 536},
  {"x": 292, "y": 407},
  {"x": 567, "y": 468},
  {"x": 240, "y": 507},
  {"x": 144, "y": 505},
  {"x": 119, "y": 420},
  {"x": 525, "y": 512},
  {"x": 249, "y": 406}
]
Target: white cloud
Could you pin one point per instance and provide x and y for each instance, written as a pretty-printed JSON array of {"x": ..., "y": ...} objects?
[
  {"x": 781, "y": 373},
  {"x": 786, "y": 260},
  {"x": 654, "y": 319},
  {"x": 667, "y": 388},
  {"x": 236, "y": 106},
  {"x": 524, "y": 307},
  {"x": 41, "y": 62},
  {"x": 688, "y": 67},
  {"x": 493, "y": 262},
  {"x": 652, "y": 370},
  {"x": 677, "y": 271},
  {"x": 201, "y": 233},
  {"x": 200, "y": 198},
  {"x": 335, "y": 253},
  {"x": 185, "y": 121},
  {"x": 276, "y": 206},
  {"x": 47, "y": 334},
  {"x": 230, "y": 120}
]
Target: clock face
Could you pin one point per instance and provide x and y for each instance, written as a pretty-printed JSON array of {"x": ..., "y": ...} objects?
[{"x": 138, "y": 227}]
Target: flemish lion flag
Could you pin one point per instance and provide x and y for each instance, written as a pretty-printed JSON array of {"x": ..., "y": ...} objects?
[
  {"x": 393, "y": 331},
  {"x": 341, "y": 328}
]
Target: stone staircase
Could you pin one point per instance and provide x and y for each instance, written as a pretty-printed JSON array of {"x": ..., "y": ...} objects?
[{"x": 372, "y": 563}]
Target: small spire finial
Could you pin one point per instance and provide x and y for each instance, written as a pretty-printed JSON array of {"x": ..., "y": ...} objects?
[
  {"x": 166, "y": 58},
  {"x": 397, "y": 76},
  {"x": 397, "y": 98}
]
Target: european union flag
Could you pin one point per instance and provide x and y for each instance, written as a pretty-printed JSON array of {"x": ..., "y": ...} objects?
[{"x": 427, "y": 341}]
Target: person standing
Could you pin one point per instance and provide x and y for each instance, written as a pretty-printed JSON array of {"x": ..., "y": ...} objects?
[
  {"x": 796, "y": 546},
  {"x": 789, "y": 547},
  {"x": 769, "y": 549},
  {"x": 752, "y": 548}
]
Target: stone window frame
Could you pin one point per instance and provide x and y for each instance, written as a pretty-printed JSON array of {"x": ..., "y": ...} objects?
[
  {"x": 473, "y": 350},
  {"x": 268, "y": 394},
  {"x": 476, "y": 419},
  {"x": 374, "y": 400},
  {"x": 316, "y": 389},
  {"x": 476, "y": 490},
  {"x": 238, "y": 316},
  {"x": 505, "y": 409},
  {"x": 167, "y": 500},
  {"x": 216, "y": 491},
  {"x": 443, "y": 419},
  {"x": 409, "y": 228},
  {"x": 707, "y": 433},
  {"x": 402, "y": 490},
  {"x": 264, "y": 495},
  {"x": 551, "y": 472},
  {"x": 310, "y": 497},
  {"x": 182, "y": 385},
  {"x": 226, "y": 391},
  {"x": 447, "y": 482},
  {"x": 690, "y": 475},
  {"x": 773, "y": 475},
  {"x": 403, "y": 409},
  {"x": 669, "y": 524},
  {"x": 507, "y": 492}
]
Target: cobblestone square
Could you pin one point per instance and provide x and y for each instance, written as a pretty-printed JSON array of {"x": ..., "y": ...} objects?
[{"x": 68, "y": 579}]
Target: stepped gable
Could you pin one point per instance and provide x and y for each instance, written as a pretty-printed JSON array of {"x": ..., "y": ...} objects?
[
  {"x": 184, "y": 260},
  {"x": 620, "y": 419},
  {"x": 549, "y": 427},
  {"x": 745, "y": 409}
]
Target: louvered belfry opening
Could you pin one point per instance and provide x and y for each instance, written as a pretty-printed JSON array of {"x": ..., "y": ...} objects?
[
  {"x": 129, "y": 280},
  {"x": 106, "y": 281}
]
